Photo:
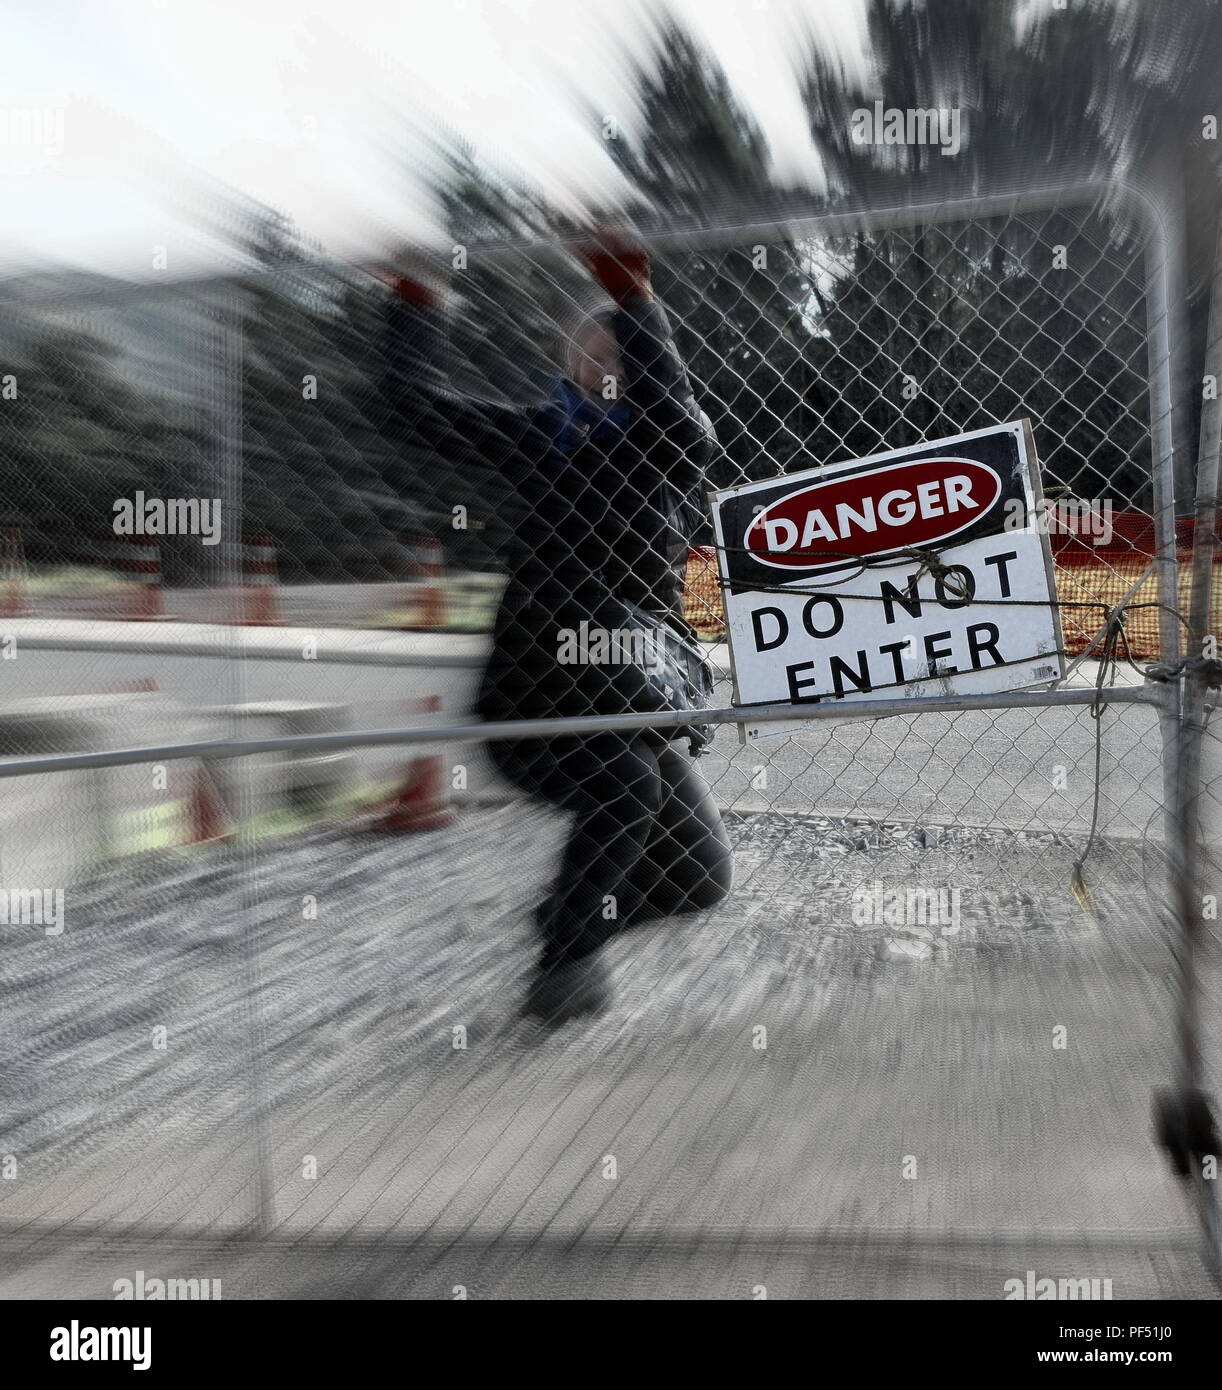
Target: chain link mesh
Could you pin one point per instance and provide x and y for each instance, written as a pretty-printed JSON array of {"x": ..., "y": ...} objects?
[{"x": 775, "y": 1060}]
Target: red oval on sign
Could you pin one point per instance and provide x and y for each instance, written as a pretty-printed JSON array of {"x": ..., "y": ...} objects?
[{"x": 872, "y": 514}]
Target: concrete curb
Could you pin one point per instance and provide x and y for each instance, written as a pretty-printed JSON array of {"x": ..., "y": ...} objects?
[{"x": 347, "y": 646}]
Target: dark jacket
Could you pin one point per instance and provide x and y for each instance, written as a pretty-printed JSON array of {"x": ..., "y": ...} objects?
[{"x": 607, "y": 519}]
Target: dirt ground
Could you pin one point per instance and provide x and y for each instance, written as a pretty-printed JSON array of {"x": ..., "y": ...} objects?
[{"x": 781, "y": 1096}]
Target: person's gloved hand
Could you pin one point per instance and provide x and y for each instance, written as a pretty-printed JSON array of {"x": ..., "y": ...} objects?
[
  {"x": 416, "y": 292},
  {"x": 698, "y": 736},
  {"x": 619, "y": 264},
  {"x": 415, "y": 280}
]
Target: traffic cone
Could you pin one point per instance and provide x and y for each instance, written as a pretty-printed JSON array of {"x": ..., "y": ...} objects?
[
  {"x": 259, "y": 595},
  {"x": 429, "y": 594},
  {"x": 139, "y": 558},
  {"x": 421, "y": 802},
  {"x": 12, "y": 575},
  {"x": 207, "y": 818}
]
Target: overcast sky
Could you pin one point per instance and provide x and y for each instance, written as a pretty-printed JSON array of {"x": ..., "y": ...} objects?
[{"x": 320, "y": 109}]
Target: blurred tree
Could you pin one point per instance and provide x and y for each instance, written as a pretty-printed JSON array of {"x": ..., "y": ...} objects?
[
  {"x": 1158, "y": 97},
  {"x": 319, "y": 470},
  {"x": 741, "y": 313},
  {"x": 76, "y": 435},
  {"x": 936, "y": 329},
  {"x": 509, "y": 296}
]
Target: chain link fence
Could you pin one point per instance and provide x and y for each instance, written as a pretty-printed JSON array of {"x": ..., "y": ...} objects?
[{"x": 918, "y": 1037}]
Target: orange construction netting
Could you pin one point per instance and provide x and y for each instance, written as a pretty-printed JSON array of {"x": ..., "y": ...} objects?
[{"x": 1084, "y": 575}]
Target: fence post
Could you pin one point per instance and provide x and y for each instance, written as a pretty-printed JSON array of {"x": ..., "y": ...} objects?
[
  {"x": 228, "y": 379},
  {"x": 1185, "y": 1115},
  {"x": 1195, "y": 691}
]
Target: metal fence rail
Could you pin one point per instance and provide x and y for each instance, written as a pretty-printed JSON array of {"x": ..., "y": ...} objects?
[{"x": 501, "y": 731}]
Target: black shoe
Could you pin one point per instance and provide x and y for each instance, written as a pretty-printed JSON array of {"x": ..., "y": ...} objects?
[{"x": 568, "y": 989}]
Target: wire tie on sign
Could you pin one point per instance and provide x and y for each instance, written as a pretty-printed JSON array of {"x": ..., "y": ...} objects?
[
  {"x": 1208, "y": 666},
  {"x": 931, "y": 564}
]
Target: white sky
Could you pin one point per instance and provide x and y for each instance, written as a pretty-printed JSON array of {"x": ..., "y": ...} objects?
[{"x": 319, "y": 109}]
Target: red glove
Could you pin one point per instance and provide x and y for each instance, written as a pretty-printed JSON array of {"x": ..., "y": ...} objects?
[
  {"x": 413, "y": 278},
  {"x": 620, "y": 266},
  {"x": 416, "y": 292}
]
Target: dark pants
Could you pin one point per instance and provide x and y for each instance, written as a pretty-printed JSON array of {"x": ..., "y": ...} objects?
[{"x": 647, "y": 840}]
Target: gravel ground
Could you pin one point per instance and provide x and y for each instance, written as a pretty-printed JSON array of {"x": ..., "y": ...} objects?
[{"x": 905, "y": 1125}]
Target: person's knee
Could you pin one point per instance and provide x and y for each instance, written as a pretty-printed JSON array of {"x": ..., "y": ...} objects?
[
  {"x": 713, "y": 883},
  {"x": 703, "y": 877}
]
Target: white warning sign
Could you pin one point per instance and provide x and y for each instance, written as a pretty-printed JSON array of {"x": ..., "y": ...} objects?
[{"x": 916, "y": 572}]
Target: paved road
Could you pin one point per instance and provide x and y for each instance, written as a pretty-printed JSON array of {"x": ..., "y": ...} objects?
[{"x": 1019, "y": 768}]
